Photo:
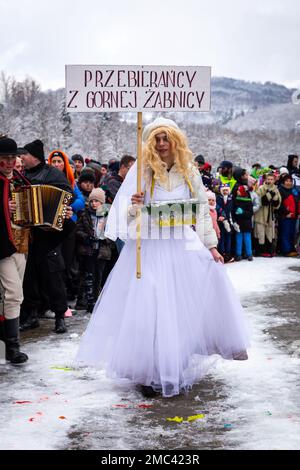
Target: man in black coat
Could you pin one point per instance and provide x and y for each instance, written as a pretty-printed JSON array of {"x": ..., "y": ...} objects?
[{"x": 45, "y": 264}]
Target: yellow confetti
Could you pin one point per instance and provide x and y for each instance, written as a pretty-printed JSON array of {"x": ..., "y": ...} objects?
[
  {"x": 177, "y": 419},
  {"x": 195, "y": 417}
]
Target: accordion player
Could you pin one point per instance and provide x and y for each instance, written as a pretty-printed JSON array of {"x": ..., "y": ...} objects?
[{"x": 42, "y": 206}]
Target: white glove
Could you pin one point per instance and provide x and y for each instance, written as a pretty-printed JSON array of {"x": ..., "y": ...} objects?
[
  {"x": 226, "y": 225},
  {"x": 236, "y": 227}
]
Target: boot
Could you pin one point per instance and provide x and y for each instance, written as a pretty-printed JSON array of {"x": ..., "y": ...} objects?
[
  {"x": 147, "y": 391},
  {"x": 60, "y": 326},
  {"x": 29, "y": 320},
  {"x": 241, "y": 356},
  {"x": 81, "y": 304},
  {"x": 2, "y": 338},
  {"x": 90, "y": 307},
  {"x": 12, "y": 342}
]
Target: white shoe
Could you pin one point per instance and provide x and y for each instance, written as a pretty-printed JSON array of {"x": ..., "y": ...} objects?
[{"x": 49, "y": 314}]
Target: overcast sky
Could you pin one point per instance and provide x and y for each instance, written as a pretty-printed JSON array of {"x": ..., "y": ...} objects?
[{"x": 255, "y": 40}]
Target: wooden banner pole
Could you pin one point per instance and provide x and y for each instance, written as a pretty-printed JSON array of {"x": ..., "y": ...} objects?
[{"x": 139, "y": 189}]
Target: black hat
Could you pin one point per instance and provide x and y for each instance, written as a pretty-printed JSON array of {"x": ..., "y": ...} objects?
[
  {"x": 200, "y": 159},
  {"x": 36, "y": 149},
  {"x": 87, "y": 175},
  {"x": 225, "y": 164},
  {"x": 114, "y": 166},
  {"x": 79, "y": 157},
  {"x": 238, "y": 173},
  {"x": 93, "y": 164},
  {"x": 9, "y": 147}
]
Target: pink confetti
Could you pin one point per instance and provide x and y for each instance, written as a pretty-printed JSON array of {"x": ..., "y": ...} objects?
[
  {"x": 25, "y": 402},
  {"x": 43, "y": 399}
]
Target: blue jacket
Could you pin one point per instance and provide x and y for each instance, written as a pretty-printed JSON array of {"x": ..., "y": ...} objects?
[{"x": 78, "y": 203}]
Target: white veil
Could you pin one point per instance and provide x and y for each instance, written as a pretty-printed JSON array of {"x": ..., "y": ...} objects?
[{"x": 117, "y": 221}]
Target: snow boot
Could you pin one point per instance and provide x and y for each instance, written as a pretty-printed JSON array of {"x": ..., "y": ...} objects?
[
  {"x": 60, "y": 326},
  {"x": 12, "y": 342},
  {"x": 29, "y": 321}
]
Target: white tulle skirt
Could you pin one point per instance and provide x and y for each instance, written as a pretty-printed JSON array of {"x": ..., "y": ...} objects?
[{"x": 166, "y": 328}]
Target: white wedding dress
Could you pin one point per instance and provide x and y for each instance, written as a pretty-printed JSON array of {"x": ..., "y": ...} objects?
[{"x": 166, "y": 328}]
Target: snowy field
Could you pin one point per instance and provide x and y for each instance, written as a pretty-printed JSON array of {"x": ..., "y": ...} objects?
[{"x": 46, "y": 404}]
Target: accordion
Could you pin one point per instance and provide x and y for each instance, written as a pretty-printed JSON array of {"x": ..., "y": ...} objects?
[
  {"x": 174, "y": 213},
  {"x": 41, "y": 205}
]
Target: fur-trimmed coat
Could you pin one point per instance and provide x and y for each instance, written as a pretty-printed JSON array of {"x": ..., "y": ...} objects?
[{"x": 264, "y": 218}]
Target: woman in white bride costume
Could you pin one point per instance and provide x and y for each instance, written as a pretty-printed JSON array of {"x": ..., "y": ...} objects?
[{"x": 163, "y": 331}]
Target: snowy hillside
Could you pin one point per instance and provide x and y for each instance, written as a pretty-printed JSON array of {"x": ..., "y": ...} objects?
[{"x": 248, "y": 122}]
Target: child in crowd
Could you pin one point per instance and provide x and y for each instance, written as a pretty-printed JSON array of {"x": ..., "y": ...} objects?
[
  {"x": 93, "y": 249},
  {"x": 224, "y": 208},
  {"x": 242, "y": 212},
  {"x": 213, "y": 213},
  {"x": 86, "y": 183},
  {"x": 288, "y": 214}
]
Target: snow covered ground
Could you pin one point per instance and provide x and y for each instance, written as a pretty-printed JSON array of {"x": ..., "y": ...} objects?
[{"x": 46, "y": 404}]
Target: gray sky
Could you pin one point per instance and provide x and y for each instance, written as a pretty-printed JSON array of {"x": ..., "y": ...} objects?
[{"x": 256, "y": 40}]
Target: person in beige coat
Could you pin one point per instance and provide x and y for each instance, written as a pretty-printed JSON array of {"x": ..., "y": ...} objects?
[{"x": 264, "y": 218}]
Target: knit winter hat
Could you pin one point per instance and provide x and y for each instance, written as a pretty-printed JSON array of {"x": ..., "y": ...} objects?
[
  {"x": 36, "y": 149},
  {"x": 159, "y": 122},
  {"x": 68, "y": 171},
  {"x": 206, "y": 167},
  {"x": 87, "y": 174},
  {"x": 211, "y": 195},
  {"x": 225, "y": 186},
  {"x": 97, "y": 194},
  {"x": 79, "y": 157},
  {"x": 283, "y": 170},
  {"x": 200, "y": 159},
  {"x": 225, "y": 164}
]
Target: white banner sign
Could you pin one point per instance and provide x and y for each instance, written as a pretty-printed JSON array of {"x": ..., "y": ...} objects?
[{"x": 111, "y": 88}]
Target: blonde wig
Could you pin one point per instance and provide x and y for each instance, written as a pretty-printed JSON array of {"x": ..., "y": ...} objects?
[{"x": 179, "y": 148}]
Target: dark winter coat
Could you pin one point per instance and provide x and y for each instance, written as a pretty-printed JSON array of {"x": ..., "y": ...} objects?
[
  {"x": 244, "y": 219},
  {"x": 48, "y": 174},
  {"x": 224, "y": 209},
  {"x": 86, "y": 241},
  {"x": 113, "y": 185},
  {"x": 47, "y": 240},
  {"x": 239, "y": 175}
]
